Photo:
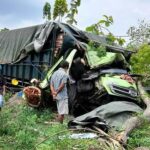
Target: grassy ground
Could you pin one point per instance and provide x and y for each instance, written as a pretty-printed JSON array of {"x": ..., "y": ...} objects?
[
  {"x": 24, "y": 128},
  {"x": 140, "y": 137}
]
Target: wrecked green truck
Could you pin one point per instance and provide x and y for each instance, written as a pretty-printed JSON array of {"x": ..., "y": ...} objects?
[{"x": 95, "y": 79}]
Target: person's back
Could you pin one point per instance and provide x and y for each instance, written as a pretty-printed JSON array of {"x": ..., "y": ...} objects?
[
  {"x": 57, "y": 78},
  {"x": 59, "y": 90}
]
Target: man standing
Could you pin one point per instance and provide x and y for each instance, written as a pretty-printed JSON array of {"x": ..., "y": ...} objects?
[{"x": 59, "y": 90}]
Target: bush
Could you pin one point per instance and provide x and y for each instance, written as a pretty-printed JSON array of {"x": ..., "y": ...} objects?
[{"x": 141, "y": 62}]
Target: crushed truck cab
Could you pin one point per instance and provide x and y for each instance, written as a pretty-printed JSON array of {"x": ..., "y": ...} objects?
[{"x": 100, "y": 72}]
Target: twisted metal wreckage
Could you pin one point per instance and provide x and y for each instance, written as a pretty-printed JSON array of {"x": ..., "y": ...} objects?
[{"x": 102, "y": 92}]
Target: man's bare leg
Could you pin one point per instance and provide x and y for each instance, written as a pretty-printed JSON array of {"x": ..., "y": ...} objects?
[{"x": 61, "y": 118}]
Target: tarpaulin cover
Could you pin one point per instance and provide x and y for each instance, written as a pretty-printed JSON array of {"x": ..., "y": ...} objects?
[
  {"x": 16, "y": 44},
  {"x": 114, "y": 114}
]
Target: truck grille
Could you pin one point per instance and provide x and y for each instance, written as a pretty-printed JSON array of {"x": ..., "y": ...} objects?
[{"x": 130, "y": 92}]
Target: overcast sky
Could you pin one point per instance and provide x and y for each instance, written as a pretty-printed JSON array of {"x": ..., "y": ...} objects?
[{"x": 126, "y": 13}]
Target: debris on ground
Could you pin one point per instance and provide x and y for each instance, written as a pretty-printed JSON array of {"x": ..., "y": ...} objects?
[{"x": 80, "y": 136}]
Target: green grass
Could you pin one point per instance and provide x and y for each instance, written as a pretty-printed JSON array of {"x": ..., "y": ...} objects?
[
  {"x": 140, "y": 137},
  {"x": 18, "y": 127},
  {"x": 25, "y": 128}
]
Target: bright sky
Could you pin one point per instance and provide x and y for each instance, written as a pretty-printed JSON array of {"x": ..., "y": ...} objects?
[{"x": 126, "y": 13}]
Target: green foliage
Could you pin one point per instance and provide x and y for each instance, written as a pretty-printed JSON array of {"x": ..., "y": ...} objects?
[
  {"x": 47, "y": 11},
  {"x": 93, "y": 29},
  {"x": 73, "y": 11},
  {"x": 18, "y": 127},
  {"x": 141, "y": 62},
  {"x": 110, "y": 38},
  {"x": 121, "y": 41},
  {"x": 60, "y": 8},
  {"x": 101, "y": 27},
  {"x": 24, "y": 128},
  {"x": 108, "y": 20},
  {"x": 70, "y": 144},
  {"x": 100, "y": 49},
  {"x": 4, "y": 29},
  {"x": 7, "y": 96}
]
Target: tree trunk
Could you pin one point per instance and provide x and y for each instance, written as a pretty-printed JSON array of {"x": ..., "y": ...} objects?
[{"x": 135, "y": 122}]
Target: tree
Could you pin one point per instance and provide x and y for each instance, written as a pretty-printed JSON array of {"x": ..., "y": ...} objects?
[
  {"x": 141, "y": 63},
  {"x": 60, "y": 8},
  {"x": 73, "y": 11},
  {"x": 47, "y": 11},
  {"x": 4, "y": 29},
  {"x": 139, "y": 34},
  {"x": 101, "y": 28}
]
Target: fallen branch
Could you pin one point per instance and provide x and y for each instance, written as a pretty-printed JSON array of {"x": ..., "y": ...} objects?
[
  {"x": 83, "y": 129},
  {"x": 114, "y": 143},
  {"x": 110, "y": 141}
]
